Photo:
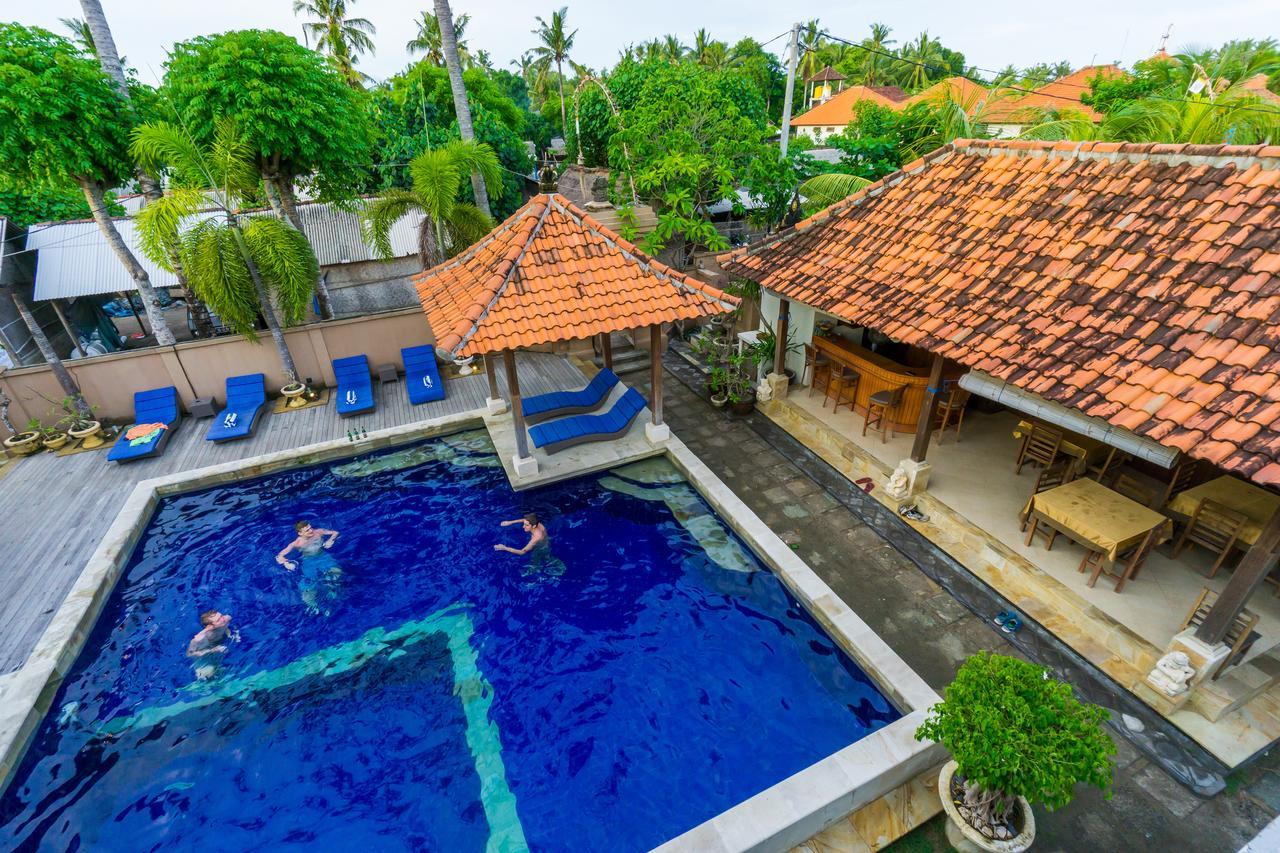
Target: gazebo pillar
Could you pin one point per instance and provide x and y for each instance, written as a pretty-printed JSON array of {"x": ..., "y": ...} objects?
[
  {"x": 656, "y": 431},
  {"x": 495, "y": 403},
  {"x": 606, "y": 350},
  {"x": 525, "y": 465}
]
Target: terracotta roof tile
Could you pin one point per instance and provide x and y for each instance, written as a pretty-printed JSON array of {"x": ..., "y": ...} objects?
[
  {"x": 1140, "y": 283},
  {"x": 552, "y": 273}
]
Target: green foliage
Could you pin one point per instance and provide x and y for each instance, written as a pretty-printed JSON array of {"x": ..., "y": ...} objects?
[
  {"x": 60, "y": 118},
  {"x": 430, "y": 41},
  {"x": 299, "y": 114},
  {"x": 27, "y": 205},
  {"x": 825, "y": 190},
  {"x": 1013, "y": 730},
  {"x": 338, "y": 36}
]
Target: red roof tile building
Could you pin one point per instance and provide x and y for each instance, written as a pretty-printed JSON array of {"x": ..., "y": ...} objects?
[{"x": 1135, "y": 283}]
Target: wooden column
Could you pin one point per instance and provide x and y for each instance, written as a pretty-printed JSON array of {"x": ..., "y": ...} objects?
[
  {"x": 924, "y": 426},
  {"x": 655, "y": 372},
  {"x": 517, "y": 411},
  {"x": 1257, "y": 563},
  {"x": 780, "y": 337},
  {"x": 491, "y": 372},
  {"x": 606, "y": 349}
]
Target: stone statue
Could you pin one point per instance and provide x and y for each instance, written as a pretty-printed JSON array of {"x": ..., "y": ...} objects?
[
  {"x": 899, "y": 485},
  {"x": 1172, "y": 674},
  {"x": 764, "y": 391}
]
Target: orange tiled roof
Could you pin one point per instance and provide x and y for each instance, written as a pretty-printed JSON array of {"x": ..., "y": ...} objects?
[
  {"x": 961, "y": 89},
  {"x": 551, "y": 273},
  {"x": 826, "y": 74},
  {"x": 1135, "y": 283},
  {"x": 1257, "y": 85},
  {"x": 837, "y": 111},
  {"x": 1012, "y": 107}
]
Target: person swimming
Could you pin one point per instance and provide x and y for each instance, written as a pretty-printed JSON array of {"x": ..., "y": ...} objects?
[
  {"x": 208, "y": 646},
  {"x": 538, "y": 547},
  {"x": 316, "y": 565}
]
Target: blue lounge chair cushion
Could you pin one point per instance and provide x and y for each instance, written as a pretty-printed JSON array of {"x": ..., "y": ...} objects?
[
  {"x": 421, "y": 375},
  {"x": 545, "y": 406},
  {"x": 589, "y": 427},
  {"x": 246, "y": 398},
  {"x": 159, "y": 405},
  {"x": 355, "y": 385}
]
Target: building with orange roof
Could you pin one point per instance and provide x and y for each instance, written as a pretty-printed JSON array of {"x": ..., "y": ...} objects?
[
  {"x": 1257, "y": 85},
  {"x": 834, "y": 114},
  {"x": 822, "y": 86},
  {"x": 550, "y": 274},
  {"x": 1009, "y": 112},
  {"x": 1118, "y": 302}
]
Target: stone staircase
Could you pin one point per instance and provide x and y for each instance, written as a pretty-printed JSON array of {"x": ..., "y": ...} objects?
[
  {"x": 1239, "y": 686},
  {"x": 627, "y": 357}
]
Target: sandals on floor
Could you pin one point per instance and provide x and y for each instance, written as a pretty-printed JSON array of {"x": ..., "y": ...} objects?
[{"x": 912, "y": 512}]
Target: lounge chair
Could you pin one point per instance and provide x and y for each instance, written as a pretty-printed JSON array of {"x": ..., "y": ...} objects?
[
  {"x": 355, "y": 385},
  {"x": 421, "y": 376},
  {"x": 158, "y": 406},
  {"x": 557, "y": 404},
  {"x": 580, "y": 429},
  {"x": 246, "y": 399}
]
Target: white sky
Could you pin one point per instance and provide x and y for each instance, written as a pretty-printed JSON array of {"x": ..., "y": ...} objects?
[{"x": 990, "y": 34}]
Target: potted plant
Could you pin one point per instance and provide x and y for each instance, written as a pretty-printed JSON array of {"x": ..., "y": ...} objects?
[
  {"x": 26, "y": 441},
  {"x": 76, "y": 424},
  {"x": 294, "y": 394},
  {"x": 740, "y": 383},
  {"x": 717, "y": 385},
  {"x": 52, "y": 438},
  {"x": 766, "y": 349},
  {"x": 1015, "y": 735}
]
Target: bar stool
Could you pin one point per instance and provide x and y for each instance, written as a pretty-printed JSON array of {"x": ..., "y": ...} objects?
[
  {"x": 813, "y": 361},
  {"x": 880, "y": 406},
  {"x": 842, "y": 378}
]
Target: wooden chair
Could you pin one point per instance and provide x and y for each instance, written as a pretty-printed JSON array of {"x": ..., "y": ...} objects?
[
  {"x": 843, "y": 387},
  {"x": 1240, "y": 635},
  {"x": 1133, "y": 490},
  {"x": 1049, "y": 478},
  {"x": 1040, "y": 446},
  {"x": 1182, "y": 478},
  {"x": 880, "y": 406},
  {"x": 950, "y": 411},
  {"x": 1132, "y": 559},
  {"x": 1104, "y": 469},
  {"x": 1212, "y": 526},
  {"x": 813, "y": 362}
]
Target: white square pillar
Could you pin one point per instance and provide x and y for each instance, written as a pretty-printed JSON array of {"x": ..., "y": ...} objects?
[{"x": 525, "y": 466}]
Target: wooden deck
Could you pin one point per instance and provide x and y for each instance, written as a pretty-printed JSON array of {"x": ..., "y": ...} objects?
[{"x": 55, "y": 509}]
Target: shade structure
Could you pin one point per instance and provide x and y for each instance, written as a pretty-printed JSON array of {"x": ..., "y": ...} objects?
[{"x": 550, "y": 273}]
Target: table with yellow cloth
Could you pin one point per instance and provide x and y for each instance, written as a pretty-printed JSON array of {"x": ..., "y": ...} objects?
[
  {"x": 1244, "y": 497},
  {"x": 1081, "y": 448},
  {"x": 1097, "y": 517}
]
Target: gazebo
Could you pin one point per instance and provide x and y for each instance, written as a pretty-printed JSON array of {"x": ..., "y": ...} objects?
[{"x": 551, "y": 274}]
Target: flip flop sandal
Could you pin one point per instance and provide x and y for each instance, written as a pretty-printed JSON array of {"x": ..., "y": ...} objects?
[
  {"x": 912, "y": 512},
  {"x": 865, "y": 484}
]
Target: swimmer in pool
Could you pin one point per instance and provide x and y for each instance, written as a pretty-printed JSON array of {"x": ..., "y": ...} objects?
[
  {"x": 311, "y": 544},
  {"x": 536, "y": 530},
  {"x": 208, "y": 646}
]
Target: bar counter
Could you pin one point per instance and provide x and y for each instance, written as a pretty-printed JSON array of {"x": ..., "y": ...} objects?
[{"x": 877, "y": 373}]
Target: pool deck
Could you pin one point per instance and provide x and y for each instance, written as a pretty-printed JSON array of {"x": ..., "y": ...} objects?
[{"x": 57, "y": 509}]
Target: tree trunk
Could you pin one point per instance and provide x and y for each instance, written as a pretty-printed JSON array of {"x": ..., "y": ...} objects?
[
  {"x": 142, "y": 281},
  {"x": 430, "y": 244},
  {"x": 59, "y": 369},
  {"x": 449, "y": 43},
  {"x": 109, "y": 59},
  {"x": 564, "y": 119},
  {"x": 264, "y": 302},
  {"x": 199, "y": 312},
  {"x": 4, "y": 414}
]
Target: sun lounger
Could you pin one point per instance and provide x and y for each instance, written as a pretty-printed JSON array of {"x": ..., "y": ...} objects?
[
  {"x": 557, "y": 404},
  {"x": 355, "y": 385},
  {"x": 421, "y": 376},
  {"x": 580, "y": 429},
  {"x": 246, "y": 399},
  {"x": 158, "y": 406}
]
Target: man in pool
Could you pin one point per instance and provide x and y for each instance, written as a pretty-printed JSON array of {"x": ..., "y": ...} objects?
[
  {"x": 317, "y": 566},
  {"x": 208, "y": 646},
  {"x": 538, "y": 547}
]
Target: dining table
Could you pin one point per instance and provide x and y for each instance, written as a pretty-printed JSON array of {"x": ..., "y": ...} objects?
[
  {"x": 1081, "y": 448},
  {"x": 1254, "y": 502}
]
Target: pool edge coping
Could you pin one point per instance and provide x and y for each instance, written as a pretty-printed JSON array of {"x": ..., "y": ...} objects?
[{"x": 782, "y": 816}]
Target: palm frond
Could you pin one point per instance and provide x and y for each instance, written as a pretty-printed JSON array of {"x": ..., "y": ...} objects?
[
  {"x": 285, "y": 262},
  {"x": 218, "y": 274},
  {"x": 436, "y": 176},
  {"x": 825, "y": 190},
  {"x": 472, "y": 156},
  {"x": 158, "y": 224},
  {"x": 233, "y": 160},
  {"x": 382, "y": 214},
  {"x": 467, "y": 225},
  {"x": 160, "y": 145}
]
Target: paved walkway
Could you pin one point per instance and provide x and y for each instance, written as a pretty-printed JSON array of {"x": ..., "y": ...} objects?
[{"x": 934, "y": 634}]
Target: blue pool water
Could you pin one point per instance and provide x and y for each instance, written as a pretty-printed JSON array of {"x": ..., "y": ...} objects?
[{"x": 644, "y": 676}]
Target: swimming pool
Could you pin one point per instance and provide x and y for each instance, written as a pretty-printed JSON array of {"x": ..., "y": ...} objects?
[{"x": 643, "y": 677}]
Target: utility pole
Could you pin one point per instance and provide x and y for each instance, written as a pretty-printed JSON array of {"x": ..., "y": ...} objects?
[{"x": 792, "y": 59}]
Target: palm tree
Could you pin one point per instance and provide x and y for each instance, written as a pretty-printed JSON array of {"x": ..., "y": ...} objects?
[
  {"x": 555, "y": 47},
  {"x": 428, "y": 40},
  {"x": 672, "y": 48},
  {"x": 448, "y": 225},
  {"x": 449, "y": 45},
  {"x": 811, "y": 41},
  {"x": 243, "y": 266},
  {"x": 105, "y": 49},
  {"x": 877, "y": 62},
  {"x": 825, "y": 190},
  {"x": 702, "y": 41},
  {"x": 925, "y": 61},
  {"x": 59, "y": 369},
  {"x": 80, "y": 34},
  {"x": 342, "y": 38}
]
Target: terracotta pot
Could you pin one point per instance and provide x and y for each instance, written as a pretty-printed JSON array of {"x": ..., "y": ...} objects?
[
  {"x": 24, "y": 443},
  {"x": 55, "y": 442},
  {"x": 743, "y": 407},
  {"x": 965, "y": 839},
  {"x": 89, "y": 435}
]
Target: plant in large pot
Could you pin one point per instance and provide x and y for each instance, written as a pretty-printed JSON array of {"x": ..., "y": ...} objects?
[
  {"x": 25, "y": 441},
  {"x": 1015, "y": 735},
  {"x": 76, "y": 424},
  {"x": 765, "y": 349},
  {"x": 740, "y": 387}
]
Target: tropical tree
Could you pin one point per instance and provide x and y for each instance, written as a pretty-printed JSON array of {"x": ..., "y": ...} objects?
[
  {"x": 62, "y": 123},
  {"x": 877, "y": 61},
  {"x": 811, "y": 42},
  {"x": 924, "y": 61},
  {"x": 448, "y": 225},
  {"x": 302, "y": 119},
  {"x": 343, "y": 39},
  {"x": 80, "y": 34},
  {"x": 449, "y": 44},
  {"x": 825, "y": 190},
  {"x": 243, "y": 266},
  {"x": 59, "y": 370},
  {"x": 554, "y": 48},
  {"x": 429, "y": 42}
]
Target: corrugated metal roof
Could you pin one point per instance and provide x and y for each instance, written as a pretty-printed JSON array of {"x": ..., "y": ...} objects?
[{"x": 74, "y": 260}]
